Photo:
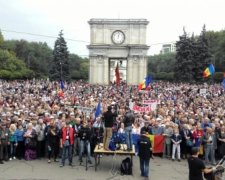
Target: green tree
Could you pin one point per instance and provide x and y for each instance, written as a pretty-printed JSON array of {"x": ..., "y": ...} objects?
[
  {"x": 184, "y": 58},
  {"x": 216, "y": 42},
  {"x": 12, "y": 68},
  {"x": 59, "y": 69},
  {"x": 161, "y": 63},
  {"x": 1, "y": 39},
  {"x": 36, "y": 55},
  {"x": 202, "y": 55}
]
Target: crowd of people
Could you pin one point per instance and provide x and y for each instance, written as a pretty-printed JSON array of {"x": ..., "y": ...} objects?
[{"x": 39, "y": 122}]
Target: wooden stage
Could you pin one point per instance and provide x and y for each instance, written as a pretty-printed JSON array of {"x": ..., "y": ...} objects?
[{"x": 122, "y": 151}]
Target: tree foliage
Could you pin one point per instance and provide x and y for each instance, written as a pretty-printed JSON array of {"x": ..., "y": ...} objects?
[
  {"x": 1, "y": 39},
  {"x": 36, "y": 55},
  {"x": 216, "y": 41},
  {"x": 11, "y": 67},
  {"x": 161, "y": 63},
  {"x": 79, "y": 68},
  {"x": 192, "y": 57},
  {"x": 60, "y": 63},
  {"x": 201, "y": 54},
  {"x": 184, "y": 58}
]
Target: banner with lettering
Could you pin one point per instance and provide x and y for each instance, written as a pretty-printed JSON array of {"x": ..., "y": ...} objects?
[{"x": 141, "y": 109}]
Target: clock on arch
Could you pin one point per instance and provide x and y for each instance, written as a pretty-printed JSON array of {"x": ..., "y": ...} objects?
[{"x": 118, "y": 37}]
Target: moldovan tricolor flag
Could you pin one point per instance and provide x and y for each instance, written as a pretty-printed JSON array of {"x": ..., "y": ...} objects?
[
  {"x": 61, "y": 92},
  {"x": 145, "y": 83},
  {"x": 210, "y": 70},
  {"x": 157, "y": 143},
  {"x": 117, "y": 73}
]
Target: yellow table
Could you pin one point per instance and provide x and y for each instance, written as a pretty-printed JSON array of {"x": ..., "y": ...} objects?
[{"x": 99, "y": 150}]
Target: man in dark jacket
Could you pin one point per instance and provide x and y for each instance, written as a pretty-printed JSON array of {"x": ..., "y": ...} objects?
[
  {"x": 145, "y": 153},
  {"x": 128, "y": 121},
  {"x": 108, "y": 117}
]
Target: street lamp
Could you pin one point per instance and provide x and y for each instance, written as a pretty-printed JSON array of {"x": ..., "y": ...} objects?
[{"x": 60, "y": 70}]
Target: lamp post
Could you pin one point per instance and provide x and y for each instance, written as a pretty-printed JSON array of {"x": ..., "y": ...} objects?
[
  {"x": 60, "y": 70},
  {"x": 213, "y": 60}
]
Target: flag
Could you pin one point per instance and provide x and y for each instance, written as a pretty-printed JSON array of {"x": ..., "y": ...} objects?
[
  {"x": 223, "y": 83},
  {"x": 60, "y": 91},
  {"x": 210, "y": 70},
  {"x": 62, "y": 85},
  {"x": 117, "y": 73},
  {"x": 157, "y": 142},
  {"x": 145, "y": 83},
  {"x": 98, "y": 110}
]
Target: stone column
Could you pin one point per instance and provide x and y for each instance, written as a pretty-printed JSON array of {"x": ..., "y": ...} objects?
[{"x": 99, "y": 68}]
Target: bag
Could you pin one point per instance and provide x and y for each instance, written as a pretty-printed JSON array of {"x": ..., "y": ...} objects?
[
  {"x": 126, "y": 167},
  {"x": 30, "y": 155},
  {"x": 189, "y": 143},
  {"x": 31, "y": 143}
]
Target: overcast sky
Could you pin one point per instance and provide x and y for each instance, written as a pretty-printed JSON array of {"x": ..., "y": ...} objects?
[{"x": 167, "y": 18}]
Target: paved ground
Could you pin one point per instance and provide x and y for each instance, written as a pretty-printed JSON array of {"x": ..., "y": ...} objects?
[{"x": 160, "y": 169}]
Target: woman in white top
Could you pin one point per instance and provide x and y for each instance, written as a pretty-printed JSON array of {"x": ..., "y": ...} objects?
[
  {"x": 136, "y": 128},
  {"x": 121, "y": 129}
]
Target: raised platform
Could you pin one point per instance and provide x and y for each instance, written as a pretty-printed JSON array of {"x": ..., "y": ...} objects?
[{"x": 122, "y": 151}]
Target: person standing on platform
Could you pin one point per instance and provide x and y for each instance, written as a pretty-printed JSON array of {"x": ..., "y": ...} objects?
[
  {"x": 108, "y": 117},
  {"x": 145, "y": 153},
  {"x": 128, "y": 122}
]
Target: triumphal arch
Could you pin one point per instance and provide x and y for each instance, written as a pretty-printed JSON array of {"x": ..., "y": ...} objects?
[{"x": 117, "y": 42}]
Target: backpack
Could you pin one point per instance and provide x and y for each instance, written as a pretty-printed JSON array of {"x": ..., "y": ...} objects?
[{"x": 126, "y": 167}]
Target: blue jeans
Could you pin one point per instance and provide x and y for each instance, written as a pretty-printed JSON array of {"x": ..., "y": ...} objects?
[
  {"x": 209, "y": 151},
  {"x": 12, "y": 149},
  {"x": 86, "y": 145},
  {"x": 129, "y": 140},
  {"x": 144, "y": 166},
  {"x": 67, "y": 150}
]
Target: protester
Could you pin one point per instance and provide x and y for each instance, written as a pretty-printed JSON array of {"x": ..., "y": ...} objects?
[
  {"x": 180, "y": 105},
  {"x": 13, "y": 141},
  {"x": 167, "y": 133},
  {"x": 196, "y": 166},
  {"x": 20, "y": 140},
  {"x": 176, "y": 140},
  {"x": 4, "y": 140},
  {"x": 128, "y": 122},
  {"x": 30, "y": 143},
  {"x": 209, "y": 140},
  {"x": 66, "y": 143},
  {"x": 108, "y": 122},
  {"x": 53, "y": 141},
  {"x": 40, "y": 138},
  {"x": 145, "y": 152},
  {"x": 222, "y": 141},
  {"x": 85, "y": 136}
]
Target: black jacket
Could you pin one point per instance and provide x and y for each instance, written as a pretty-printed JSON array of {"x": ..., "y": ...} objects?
[
  {"x": 144, "y": 147},
  {"x": 85, "y": 133},
  {"x": 109, "y": 118},
  {"x": 128, "y": 119}
]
